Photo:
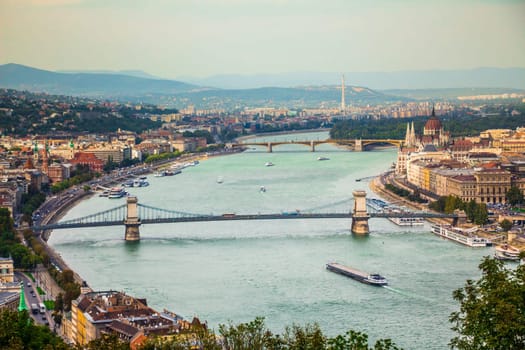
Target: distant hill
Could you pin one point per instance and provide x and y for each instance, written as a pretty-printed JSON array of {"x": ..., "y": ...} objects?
[
  {"x": 427, "y": 79},
  {"x": 132, "y": 73},
  {"x": 21, "y": 77},
  {"x": 114, "y": 85}
]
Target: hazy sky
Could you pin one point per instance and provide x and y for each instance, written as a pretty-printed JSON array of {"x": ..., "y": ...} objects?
[{"x": 174, "y": 38}]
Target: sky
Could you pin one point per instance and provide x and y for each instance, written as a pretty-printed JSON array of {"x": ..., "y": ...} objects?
[{"x": 200, "y": 38}]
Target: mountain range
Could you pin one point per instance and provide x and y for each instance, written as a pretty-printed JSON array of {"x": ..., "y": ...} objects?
[
  {"x": 308, "y": 89},
  {"x": 424, "y": 79}
]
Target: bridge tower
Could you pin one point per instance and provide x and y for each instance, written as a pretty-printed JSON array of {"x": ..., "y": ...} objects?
[
  {"x": 360, "y": 215},
  {"x": 312, "y": 146},
  {"x": 358, "y": 145},
  {"x": 269, "y": 147},
  {"x": 132, "y": 221}
]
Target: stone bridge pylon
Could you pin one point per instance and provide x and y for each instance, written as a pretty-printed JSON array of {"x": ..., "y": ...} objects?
[
  {"x": 360, "y": 214},
  {"x": 132, "y": 221}
]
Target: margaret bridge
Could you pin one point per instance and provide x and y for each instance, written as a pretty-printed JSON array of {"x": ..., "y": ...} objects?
[
  {"x": 357, "y": 144},
  {"x": 133, "y": 214}
]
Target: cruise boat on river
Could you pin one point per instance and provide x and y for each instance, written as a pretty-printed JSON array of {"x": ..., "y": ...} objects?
[
  {"x": 507, "y": 252},
  {"x": 463, "y": 236},
  {"x": 363, "y": 277},
  {"x": 376, "y": 204},
  {"x": 116, "y": 192},
  {"x": 408, "y": 221}
]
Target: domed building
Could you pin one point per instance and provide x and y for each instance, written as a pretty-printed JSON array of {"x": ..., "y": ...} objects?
[
  {"x": 433, "y": 125},
  {"x": 433, "y": 134}
]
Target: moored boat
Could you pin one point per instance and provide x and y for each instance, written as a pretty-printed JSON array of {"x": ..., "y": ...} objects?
[
  {"x": 116, "y": 192},
  {"x": 463, "y": 236},
  {"x": 507, "y": 252},
  {"x": 374, "y": 279},
  {"x": 408, "y": 221}
]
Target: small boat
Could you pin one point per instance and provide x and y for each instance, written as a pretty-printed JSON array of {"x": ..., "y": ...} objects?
[
  {"x": 507, "y": 252},
  {"x": 220, "y": 180},
  {"x": 104, "y": 194},
  {"x": 262, "y": 189},
  {"x": 160, "y": 174},
  {"x": 268, "y": 164},
  {"x": 116, "y": 192},
  {"x": 172, "y": 172},
  {"x": 323, "y": 158},
  {"x": 373, "y": 279}
]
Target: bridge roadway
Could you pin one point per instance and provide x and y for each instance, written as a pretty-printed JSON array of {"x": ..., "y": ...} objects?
[
  {"x": 230, "y": 217},
  {"x": 358, "y": 144}
]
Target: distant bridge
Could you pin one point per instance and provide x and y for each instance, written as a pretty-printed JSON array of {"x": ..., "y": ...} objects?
[
  {"x": 133, "y": 214},
  {"x": 357, "y": 144}
]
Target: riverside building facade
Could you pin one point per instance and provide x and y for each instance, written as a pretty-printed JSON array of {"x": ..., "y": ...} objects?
[{"x": 480, "y": 169}]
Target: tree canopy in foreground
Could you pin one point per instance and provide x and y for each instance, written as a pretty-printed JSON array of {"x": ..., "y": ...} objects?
[{"x": 492, "y": 309}]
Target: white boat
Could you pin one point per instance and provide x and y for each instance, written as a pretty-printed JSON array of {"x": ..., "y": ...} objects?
[
  {"x": 463, "y": 236},
  {"x": 160, "y": 174},
  {"x": 220, "y": 180},
  {"x": 268, "y": 164},
  {"x": 507, "y": 252},
  {"x": 262, "y": 189},
  {"x": 116, "y": 192},
  {"x": 408, "y": 221},
  {"x": 323, "y": 158},
  {"x": 376, "y": 204}
]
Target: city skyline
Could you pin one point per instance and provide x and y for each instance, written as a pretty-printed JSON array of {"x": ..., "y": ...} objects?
[{"x": 177, "y": 39}]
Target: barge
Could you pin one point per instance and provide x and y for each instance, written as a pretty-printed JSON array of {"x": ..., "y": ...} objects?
[
  {"x": 463, "y": 236},
  {"x": 363, "y": 277}
]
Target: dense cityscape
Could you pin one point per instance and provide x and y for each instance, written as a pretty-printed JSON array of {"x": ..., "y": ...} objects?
[{"x": 238, "y": 205}]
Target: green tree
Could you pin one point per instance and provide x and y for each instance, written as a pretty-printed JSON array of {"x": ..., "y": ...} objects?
[
  {"x": 514, "y": 196},
  {"x": 505, "y": 224},
  {"x": 107, "y": 342},
  {"x": 481, "y": 214},
  {"x": 17, "y": 331},
  {"x": 353, "y": 340},
  {"x": 492, "y": 309}
]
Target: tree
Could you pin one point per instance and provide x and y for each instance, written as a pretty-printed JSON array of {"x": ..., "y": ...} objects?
[
  {"x": 514, "y": 196},
  {"x": 17, "y": 331},
  {"x": 492, "y": 309},
  {"x": 506, "y": 224}
]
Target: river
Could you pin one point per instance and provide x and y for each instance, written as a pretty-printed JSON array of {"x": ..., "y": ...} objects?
[{"x": 236, "y": 270}]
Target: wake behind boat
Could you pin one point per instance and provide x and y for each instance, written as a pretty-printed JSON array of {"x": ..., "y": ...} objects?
[{"x": 374, "y": 279}]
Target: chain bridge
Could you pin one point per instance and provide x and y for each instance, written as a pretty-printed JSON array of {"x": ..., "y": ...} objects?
[{"x": 133, "y": 214}]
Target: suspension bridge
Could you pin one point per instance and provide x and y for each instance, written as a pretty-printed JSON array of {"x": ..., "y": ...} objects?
[{"x": 133, "y": 214}]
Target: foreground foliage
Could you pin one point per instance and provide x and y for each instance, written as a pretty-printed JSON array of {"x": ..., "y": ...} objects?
[
  {"x": 492, "y": 312},
  {"x": 255, "y": 336}
]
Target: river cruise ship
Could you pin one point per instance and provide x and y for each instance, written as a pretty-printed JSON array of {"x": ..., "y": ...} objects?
[
  {"x": 363, "y": 277},
  {"x": 463, "y": 236},
  {"x": 408, "y": 221}
]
